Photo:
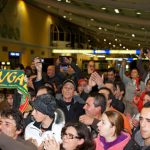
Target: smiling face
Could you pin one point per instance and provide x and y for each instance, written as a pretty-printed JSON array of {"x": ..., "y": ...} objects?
[
  {"x": 70, "y": 139},
  {"x": 68, "y": 91}
]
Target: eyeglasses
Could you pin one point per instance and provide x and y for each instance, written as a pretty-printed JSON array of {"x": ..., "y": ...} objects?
[{"x": 70, "y": 136}]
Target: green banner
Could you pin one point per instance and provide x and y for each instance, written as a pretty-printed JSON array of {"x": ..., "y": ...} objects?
[{"x": 15, "y": 79}]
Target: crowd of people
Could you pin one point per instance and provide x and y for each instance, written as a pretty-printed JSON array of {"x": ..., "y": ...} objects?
[{"x": 72, "y": 110}]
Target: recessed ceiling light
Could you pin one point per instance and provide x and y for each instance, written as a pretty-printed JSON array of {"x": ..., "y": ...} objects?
[
  {"x": 59, "y": 0},
  {"x": 139, "y": 44},
  {"x": 116, "y": 39},
  {"x": 100, "y": 28},
  {"x": 120, "y": 44},
  {"x": 117, "y": 11},
  {"x": 104, "y": 40},
  {"x": 68, "y": 1},
  {"x": 48, "y": 6},
  {"x": 114, "y": 45},
  {"x": 143, "y": 28},
  {"x": 117, "y": 24},
  {"x": 103, "y": 8},
  {"x": 70, "y": 19},
  {"x": 133, "y": 35},
  {"x": 109, "y": 43},
  {"x": 65, "y": 16},
  {"x": 127, "y": 49},
  {"x": 92, "y": 19},
  {"x": 124, "y": 47},
  {"x": 138, "y": 13}
]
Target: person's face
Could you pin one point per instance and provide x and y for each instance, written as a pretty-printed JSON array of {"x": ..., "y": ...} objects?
[
  {"x": 70, "y": 139},
  {"x": 9, "y": 99},
  {"x": 145, "y": 123},
  {"x": 68, "y": 90},
  {"x": 148, "y": 86},
  {"x": 111, "y": 76},
  {"x": 38, "y": 116},
  {"x": 8, "y": 127},
  {"x": 146, "y": 99},
  {"x": 134, "y": 73},
  {"x": 51, "y": 71},
  {"x": 105, "y": 128},
  {"x": 91, "y": 67},
  {"x": 90, "y": 109},
  {"x": 82, "y": 86},
  {"x": 70, "y": 70}
]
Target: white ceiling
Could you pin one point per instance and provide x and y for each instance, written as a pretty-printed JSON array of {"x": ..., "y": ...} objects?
[{"x": 89, "y": 15}]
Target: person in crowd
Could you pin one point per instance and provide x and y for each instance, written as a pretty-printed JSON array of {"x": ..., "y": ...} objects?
[
  {"x": 90, "y": 68},
  {"x": 11, "y": 129},
  {"x": 111, "y": 132},
  {"x": 71, "y": 105},
  {"x": 8, "y": 102},
  {"x": 11, "y": 123},
  {"x": 82, "y": 84},
  {"x": 142, "y": 136},
  {"x": 111, "y": 74},
  {"x": 73, "y": 71},
  {"x": 139, "y": 101},
  {"x": 133, "y": 85},
  {"x": 94, "y": 107},
  {"x": 52, "y": 76},
  {"x": 75, "y": 136},
  {"x": 48, "y": 120},
  {"x": 145, "y": 74},
  {"x": 112, "y": 105}
]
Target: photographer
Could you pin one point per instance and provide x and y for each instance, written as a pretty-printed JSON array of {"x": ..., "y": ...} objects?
[{"x": 52, "y": 76}]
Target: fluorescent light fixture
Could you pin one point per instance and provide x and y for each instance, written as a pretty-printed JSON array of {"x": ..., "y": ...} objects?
[
  {"x": 90, "y": 51},
  {"x": 3, "y": 63},
  {"x": 101, "y": 56},
  {"x": 117, "y": 11}
]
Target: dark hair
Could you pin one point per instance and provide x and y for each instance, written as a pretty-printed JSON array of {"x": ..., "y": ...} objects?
[
  {"x": 111, "y": 70},
  {"x": 147, "y": 81},
  {"x": 83, "y": 133},
  {"x": 111, "y": 82},
  {"x": 121, "y": 86},
  {"x": 110, "y": 96},
  {"x": 146, "y": 105},
  {"x": 50, "y": 90},
  {"x": 99, "y": 100},
  {"x": 116, "y": 120},
  {"x": 147, "y": 93},
  {"x": 16, "y": 115}
]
